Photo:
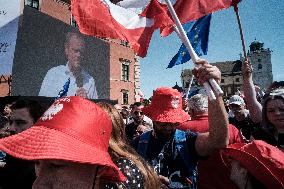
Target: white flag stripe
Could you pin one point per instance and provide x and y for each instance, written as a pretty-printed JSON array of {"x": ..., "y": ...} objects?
[
  {"x": 138, "y": 6},
  {"x": 129, "y": 19}
]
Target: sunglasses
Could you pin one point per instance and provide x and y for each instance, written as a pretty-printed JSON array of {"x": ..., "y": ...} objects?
[{"x": 138, "y": 112}]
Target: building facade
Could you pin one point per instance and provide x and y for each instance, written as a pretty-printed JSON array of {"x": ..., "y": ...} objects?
[
  {"x": 123, "y": 65},
  {"x": 232, "y": 81}
]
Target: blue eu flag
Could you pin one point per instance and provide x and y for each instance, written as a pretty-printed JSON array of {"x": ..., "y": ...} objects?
[{"x": 197, "y": 33}]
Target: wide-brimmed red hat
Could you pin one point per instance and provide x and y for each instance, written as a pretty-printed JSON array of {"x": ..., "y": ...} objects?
[
  {"x": 166, "y": 106},
  {"x": 72, "y": 129},
  {"x": 263, "y": 161}
]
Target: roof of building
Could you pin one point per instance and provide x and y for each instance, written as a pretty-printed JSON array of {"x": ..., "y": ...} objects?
[{"x": 229, "y": 66}]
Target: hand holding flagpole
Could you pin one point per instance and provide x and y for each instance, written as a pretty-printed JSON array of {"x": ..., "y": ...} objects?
[{"x": 181, "y": 33}]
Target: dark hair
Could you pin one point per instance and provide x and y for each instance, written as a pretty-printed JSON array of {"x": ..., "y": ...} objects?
[
  {"x": 274, "y": 91},
  {"x": 137, "y": 104},
  {"x": 35, "y": 109}
]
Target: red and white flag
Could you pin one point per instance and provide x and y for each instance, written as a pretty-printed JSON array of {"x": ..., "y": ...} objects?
[
  {"x": 102, "y": 18},
  {"x": 136, "y": 20}
]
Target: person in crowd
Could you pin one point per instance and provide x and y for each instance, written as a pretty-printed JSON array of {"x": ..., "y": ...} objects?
[
  {"x": 24, "y": 113},
  {"x": 198, "y": 108},
  {"x": 5, "y": 116},
  {"x": 259, "y": 164},
  {"x": 212, "y": 172},
  {"x": 139, "y": 174},
  {"x": 185, "y": 104},
  {"x": 254, "y": 165},
  {"x": 123, "y": 110},
  {"x": 241, "y": 116},
  {"x": 259, "y": 93},
  {"x": 137, "y": 118},
  {"x": 70, "y": 146},
  {"x": 142, "y": 129},
  {"x": 7, "y": 110},
  {"x": 174, "y": 153},
  {"x": 270, "y": 113},
  {"x": 78, "y": 82},
  {"x": 125, "y": 114}
]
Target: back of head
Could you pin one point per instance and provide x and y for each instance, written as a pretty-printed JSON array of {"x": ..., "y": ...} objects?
[{"x": 199, "y": 103}]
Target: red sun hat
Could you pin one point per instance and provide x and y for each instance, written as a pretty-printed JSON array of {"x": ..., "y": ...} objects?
[
  {"x": 166, "y": 106},
  {"x": 263, "y": 161},
  {"x": 72, "y": 129}
]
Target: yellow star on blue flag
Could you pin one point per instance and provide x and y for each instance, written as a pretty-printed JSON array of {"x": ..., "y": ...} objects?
[{"x": 198, "y": 34}]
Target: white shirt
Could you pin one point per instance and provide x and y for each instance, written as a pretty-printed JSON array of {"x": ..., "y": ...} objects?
[
  {"x": 145, "y": 118},
  {"x": 56, "y": 77}
]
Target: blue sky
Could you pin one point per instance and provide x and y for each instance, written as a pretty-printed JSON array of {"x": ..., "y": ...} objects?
[{"x": 261, "y": 19}]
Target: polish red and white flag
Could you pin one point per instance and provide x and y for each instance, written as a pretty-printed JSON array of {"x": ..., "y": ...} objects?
[{"x": 136, "y": 20}]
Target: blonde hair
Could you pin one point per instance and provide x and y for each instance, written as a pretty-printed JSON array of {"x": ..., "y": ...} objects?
[{"x": 118, "y": 147}]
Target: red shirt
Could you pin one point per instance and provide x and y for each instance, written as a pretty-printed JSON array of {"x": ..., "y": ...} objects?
[
  {"x": 200, "y": 124},
  {"x": 212, "y": 172}
]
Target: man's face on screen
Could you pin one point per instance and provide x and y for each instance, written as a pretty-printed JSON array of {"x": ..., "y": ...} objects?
[{"x": 74, "y": 51}]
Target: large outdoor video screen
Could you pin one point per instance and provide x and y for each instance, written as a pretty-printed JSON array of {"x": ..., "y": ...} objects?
[
  {"x": 10, "y": 12},
  {"x": 52, "y": 58}
]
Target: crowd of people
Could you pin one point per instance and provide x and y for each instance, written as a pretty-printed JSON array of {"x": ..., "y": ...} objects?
[{"x": 173, "y": 142}]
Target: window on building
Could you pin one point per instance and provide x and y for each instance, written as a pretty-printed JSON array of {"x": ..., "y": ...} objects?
[
  {"x": 237, "y": 79},
  {"x": 32, "y": 3},
  {"x": 124, "y": 97},
  {"x": 259, "y": 60},
  {"x": 125, "y": 64},
  {"x": 222, "y": 81},
  {"x": 259, "y": 66},
  {"x": 73, "y": 22}
]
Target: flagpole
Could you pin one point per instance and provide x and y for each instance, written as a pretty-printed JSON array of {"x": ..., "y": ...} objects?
[
  {"x": 192, "y": 76},
  {"x": 185, "y": 40},
  {"x": 241, "y": 30},
  {"x": 189, "y": 87}
]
